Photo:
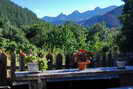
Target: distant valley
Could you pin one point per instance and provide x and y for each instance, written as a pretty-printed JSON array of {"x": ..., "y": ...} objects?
[{"x": 108, "y": 15}]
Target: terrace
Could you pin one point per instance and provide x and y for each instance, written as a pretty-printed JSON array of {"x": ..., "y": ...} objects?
[
  {"x": 104, "y": 77},
  {"x": 42, "y": 80}
]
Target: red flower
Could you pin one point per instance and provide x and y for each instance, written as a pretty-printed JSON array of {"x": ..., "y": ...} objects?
[
  {"x": 22, "y": 54},
  {"x": 82, "y": 51},
  {"x": 92, "y": 53}
]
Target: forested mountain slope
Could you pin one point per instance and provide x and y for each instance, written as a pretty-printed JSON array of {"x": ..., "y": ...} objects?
[{"x": 16, "y": 14}]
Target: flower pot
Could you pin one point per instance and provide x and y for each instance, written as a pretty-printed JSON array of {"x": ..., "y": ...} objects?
[
  {"x": 33, "y": 67},
  {"x": 82, "y": 65},
  {"x": 121, "y": 64}
]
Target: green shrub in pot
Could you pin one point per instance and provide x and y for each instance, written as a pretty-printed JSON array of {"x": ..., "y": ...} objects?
[{"x": 42, "y": 62}]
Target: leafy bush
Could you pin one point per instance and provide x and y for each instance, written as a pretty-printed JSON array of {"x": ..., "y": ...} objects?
[{"x": 41, "y": 61}]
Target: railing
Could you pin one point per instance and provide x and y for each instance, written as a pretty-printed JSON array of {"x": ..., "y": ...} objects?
[
  {"x": 100, "y": 60},
  {"x": 4, "y": 80}
]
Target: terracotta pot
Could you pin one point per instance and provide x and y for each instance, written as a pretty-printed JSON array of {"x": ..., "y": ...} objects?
[{"x": 82, "y": 65}]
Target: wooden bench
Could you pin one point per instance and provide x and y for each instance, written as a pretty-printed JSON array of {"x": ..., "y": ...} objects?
[
  {"x": 5, "y": 81},
  {"x": 5, "y": 87},
  {"x": 127, "y": 87}
]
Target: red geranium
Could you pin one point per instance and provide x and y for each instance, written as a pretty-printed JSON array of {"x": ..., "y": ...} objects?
[
  {"x": 21, "y": 53},
  {"x": 85, "y": 51},
  {"x": 84, "y": 54},
  {"x": 82, "y": 51}
]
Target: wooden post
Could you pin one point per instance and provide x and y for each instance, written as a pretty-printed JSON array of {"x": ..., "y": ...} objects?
[
  {"x": 13, "y": 66},
  {"x": 59, "y": 61},
  {"x": 21, "y": 60},
  {"x": 3, "y": 68},
  {"x": 126, "y": 79},
  {"x": 37, "y": 84},
  {"x": 21, "y": 63},
  {"x": 49, "y": 58},
  {"x": 68, "y": 58},
  {"x": 44, "y": 84},
  {"x": 97, "y": 62},
  {"x": 104, "y": 59},
  {"x": 110, "y": 59}
]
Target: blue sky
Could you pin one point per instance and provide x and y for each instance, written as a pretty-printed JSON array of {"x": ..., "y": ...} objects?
[{"x": 55, "y": 7}]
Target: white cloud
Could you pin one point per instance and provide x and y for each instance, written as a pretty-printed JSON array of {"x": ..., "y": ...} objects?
[{"x": 37, "y": 11}]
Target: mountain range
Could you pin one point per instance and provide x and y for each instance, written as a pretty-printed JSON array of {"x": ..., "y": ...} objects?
[
  {"x": 108, "y": 15},
  {"x": 20, "y": 16}
]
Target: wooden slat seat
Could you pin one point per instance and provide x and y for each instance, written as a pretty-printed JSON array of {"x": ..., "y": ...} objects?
[
  {"x": 5, "y": 87},
  {"x": 127, "y": 87},
  {"x": 5, "y": 79}
]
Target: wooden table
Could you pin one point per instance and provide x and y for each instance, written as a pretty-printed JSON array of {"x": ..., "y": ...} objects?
[
  {"x": 39, "y": 80},
  {"x": 127, "y": 87}
]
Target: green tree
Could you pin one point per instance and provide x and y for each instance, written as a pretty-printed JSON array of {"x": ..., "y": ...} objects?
[
  {"x": 99, "y": 36},
  {"x": 127, "y": 29}
]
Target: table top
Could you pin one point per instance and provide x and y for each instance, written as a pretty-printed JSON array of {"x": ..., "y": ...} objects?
[
  {"x": 127, "y": 87},
  {"x": 99, "y": 72}
]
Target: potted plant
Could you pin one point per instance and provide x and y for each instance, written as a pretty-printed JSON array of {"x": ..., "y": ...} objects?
[
  {"x": 83, "y": 64},
  {"x": 32, "y": 63},
  {"x": 83, "y": 59},
  {"x": 36, "y": 63},
  {"x": 121, "y": 61}
]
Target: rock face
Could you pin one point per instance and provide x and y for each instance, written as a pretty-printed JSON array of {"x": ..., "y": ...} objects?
[
  {"x": 108, "y": 15},
  {"x": 78, "y": 17},
  {"x": 111, "y": 18}
]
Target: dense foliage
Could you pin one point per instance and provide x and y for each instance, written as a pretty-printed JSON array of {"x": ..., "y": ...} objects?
[
  {"x": 127, "y": 30},
  {"x": 67, "y": 38}
]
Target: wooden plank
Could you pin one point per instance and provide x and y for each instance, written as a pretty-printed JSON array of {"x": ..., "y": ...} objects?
[
  {"x": 13, "y": 66},
  {"x": 126, "y": 79},
  {"x": 74, "y": 73},
  {"x": 3, "y": 68},
  {"x": 37, "y": 84},
  {"x": 5, "y": 87},
  {"x": 125, "y": 87},
  {"x": 22, "y": 63},
  {"x": 38, "y": 80}
]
